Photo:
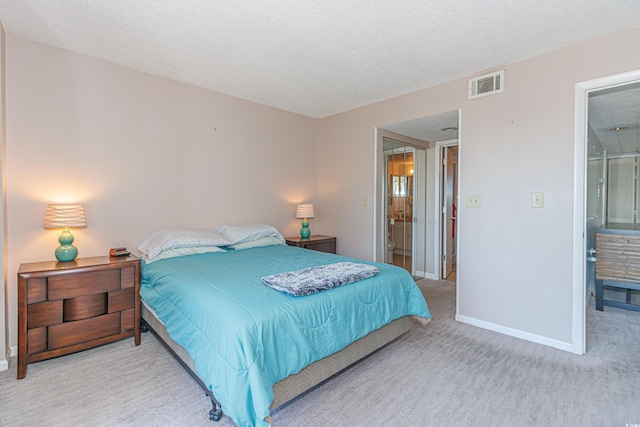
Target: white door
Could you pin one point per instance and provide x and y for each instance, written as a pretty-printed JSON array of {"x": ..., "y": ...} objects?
[{"x": 448, "y": 209}]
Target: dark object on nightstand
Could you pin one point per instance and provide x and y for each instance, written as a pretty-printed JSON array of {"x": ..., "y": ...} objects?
[
  {"x": 118, "y": 252},
  {"x": 315, "y": 242},
  {"x": 65, "y": 307}
]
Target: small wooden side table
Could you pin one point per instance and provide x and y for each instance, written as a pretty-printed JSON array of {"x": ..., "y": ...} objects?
[
  {"x": 65, "y": 307},
  {"x": 314, "y": 242}
]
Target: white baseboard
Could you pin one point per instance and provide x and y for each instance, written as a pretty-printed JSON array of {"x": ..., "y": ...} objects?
[
  {"x": 11, "y": 352},
  {"x": 420, "y": 273},
  {"x": 4, "y": 363},
  {"x": 516, "y": 333}
]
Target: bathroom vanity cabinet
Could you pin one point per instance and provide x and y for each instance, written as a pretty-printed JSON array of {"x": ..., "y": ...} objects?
[{"x": 618, "y": 264}]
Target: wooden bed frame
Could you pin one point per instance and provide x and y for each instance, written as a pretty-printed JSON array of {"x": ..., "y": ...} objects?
[{"x": 295, "y": 384}]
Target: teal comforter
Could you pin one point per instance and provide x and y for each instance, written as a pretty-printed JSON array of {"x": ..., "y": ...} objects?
[{"x": 244, "y": 337}]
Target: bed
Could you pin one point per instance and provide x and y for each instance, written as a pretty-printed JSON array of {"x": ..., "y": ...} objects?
[{"x": 253, "y": 348}]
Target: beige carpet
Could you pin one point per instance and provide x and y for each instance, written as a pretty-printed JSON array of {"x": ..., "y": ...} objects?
[{"x": 442, "y": 374}]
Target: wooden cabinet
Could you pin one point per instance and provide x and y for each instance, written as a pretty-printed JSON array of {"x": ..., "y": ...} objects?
[
  {"x": 316, "y": 243},
  {"x": 618, "y": 264},
  {"x": 64, "y": 307}
]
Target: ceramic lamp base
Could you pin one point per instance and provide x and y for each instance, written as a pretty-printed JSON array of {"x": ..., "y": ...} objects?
[
  {"x": 66, "y": 251},
  {"x": 304, "y": 231}
]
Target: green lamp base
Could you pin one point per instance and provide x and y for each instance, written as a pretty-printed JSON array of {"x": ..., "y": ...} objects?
[
  {"x": 304, "y": 231},
  {"x": 66, "y": 251}
]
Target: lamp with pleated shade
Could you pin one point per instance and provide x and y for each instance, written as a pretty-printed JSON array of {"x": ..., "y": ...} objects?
[
  {"x": 65, "y": 216},
  {"x": 305, "y": 211}
]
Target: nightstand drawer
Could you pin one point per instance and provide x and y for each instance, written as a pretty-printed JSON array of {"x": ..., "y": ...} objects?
[
  {"x": 78, "y": 284},
  {"x": 36, "y": 290},
  {"x": 120, "y": 300},
  {"x": 127, "y": 320},
  {"x": 70, "y": 333},
  {"x": 44, "y": 314},
  {"x": 37, "y": 340},
  {"x": 127, "y": 277},
  {"x": 329, "y": 247},
  {"x": 85, "y": 306}
]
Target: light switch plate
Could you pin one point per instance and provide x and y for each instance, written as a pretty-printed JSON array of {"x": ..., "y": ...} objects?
[{"x": 537, "y": 199}]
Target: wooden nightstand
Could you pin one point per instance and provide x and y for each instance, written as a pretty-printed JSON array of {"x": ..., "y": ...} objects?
[
  {"x": 64, "y": 307},
  {"x": 317, "y": 243}
]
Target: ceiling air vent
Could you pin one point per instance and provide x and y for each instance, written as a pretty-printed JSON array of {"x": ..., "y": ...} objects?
[{"x": 486, "y": 85}]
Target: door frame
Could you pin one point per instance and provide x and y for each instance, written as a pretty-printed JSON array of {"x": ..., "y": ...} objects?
[
  {"x": 439, "y": 226},
  {"x": 581, "y": 121}
]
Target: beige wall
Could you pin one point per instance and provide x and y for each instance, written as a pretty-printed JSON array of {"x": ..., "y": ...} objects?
[
  {"x": 144, "y": 153},
  {"x": 141, "y": 153},
  {"x": 515, "y": 262}
]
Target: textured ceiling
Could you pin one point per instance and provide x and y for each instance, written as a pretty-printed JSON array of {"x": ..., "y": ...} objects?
[
  {"x": 614, "y": 119},
  {"x": 315, "y": 58}
]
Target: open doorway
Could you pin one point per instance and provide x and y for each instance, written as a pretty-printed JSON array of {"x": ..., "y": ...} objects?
[
  {"x": 612, "y": 175},
  {"x": 607, "y": 128},
  {"x": 422, "y": 137}
]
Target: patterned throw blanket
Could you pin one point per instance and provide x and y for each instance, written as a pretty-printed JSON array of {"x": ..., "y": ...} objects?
[{"x": 315, "y": 279}]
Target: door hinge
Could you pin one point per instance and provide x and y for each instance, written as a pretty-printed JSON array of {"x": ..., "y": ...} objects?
[{"x": 444, "y": 257}]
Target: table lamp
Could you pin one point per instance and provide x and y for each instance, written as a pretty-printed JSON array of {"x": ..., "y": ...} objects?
[
  {"x": 305, "y": 211},
  {"x": 65, "y": 216}
]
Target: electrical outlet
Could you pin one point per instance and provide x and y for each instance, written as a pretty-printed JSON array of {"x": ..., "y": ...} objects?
[{"x": 473, "y": 200}]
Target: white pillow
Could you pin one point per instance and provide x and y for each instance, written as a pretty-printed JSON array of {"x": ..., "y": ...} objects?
[
  {"x": 176, "y": 238},
  {"x": 264, "y": 241},
  {"x": 248, "y": 232},
  {"x": 173, "y": 253}
]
